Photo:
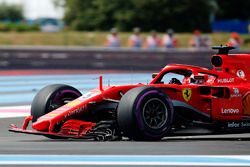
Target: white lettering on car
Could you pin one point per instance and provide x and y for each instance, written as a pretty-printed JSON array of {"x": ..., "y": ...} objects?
[
  {"x": 76, "y": 111},
  {"x": 233, "y": 125},
  {"x": 226, "y": 80},
  {"x": 245, "y": 124},
  {"x": 230, "y": 111}
]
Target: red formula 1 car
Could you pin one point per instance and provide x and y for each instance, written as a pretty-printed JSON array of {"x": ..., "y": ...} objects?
[{"x": 180, "y": 98}]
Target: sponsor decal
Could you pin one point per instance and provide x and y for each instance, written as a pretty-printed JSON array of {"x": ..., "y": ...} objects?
[
  {"x": 52, "y": 114},
  {"x": 76, "y": 111},
  {"x": 236, "y": 93},
  {"x": 245, "y": 124},
  {"x": 240, "y": 124},
  {"x": 73, "y": 103},
  {"x": 72, "y": 113},
  {"x": 186, "y": 94},
  {"x": 241, "y": 74},
  {"x": 225, "y": 80},
  {"x": 233, "y": 125},
  {"x": 230, "y": 111}
]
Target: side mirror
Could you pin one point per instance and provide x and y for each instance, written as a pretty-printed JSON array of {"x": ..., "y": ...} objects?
[{"x": 154, "y": 75}]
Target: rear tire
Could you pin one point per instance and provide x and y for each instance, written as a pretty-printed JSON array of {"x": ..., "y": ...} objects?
[
  {"x": 145, "y": 113},
  {"x": 52, "y": 97}
]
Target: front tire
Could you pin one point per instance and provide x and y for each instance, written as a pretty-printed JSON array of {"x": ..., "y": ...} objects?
[
  {"x": 52, "y": 97},
  {"x": 145, "y": 113}
]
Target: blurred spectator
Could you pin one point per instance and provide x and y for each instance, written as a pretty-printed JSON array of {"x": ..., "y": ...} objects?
[
  {"x": 135, "y": 40},
  {"x": 113, "y": 39},
  {"x": 168, "y": 40},
  {"x": 235, "y": 40},
  {"x": 206, "y": 41},
  {"x": 153, "y": 41},
  {"x": 199, "y": 41}
]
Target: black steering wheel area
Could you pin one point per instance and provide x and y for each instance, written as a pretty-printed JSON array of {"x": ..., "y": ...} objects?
[{"x": 175, "y": 81}]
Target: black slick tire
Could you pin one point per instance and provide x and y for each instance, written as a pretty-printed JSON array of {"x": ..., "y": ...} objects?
[
  {"x": 145, "y": 113},
  {"x": 51, "y": 97}
]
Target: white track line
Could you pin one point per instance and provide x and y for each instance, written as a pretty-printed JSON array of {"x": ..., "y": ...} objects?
[
  {"x": 135, "y": 160},
  {"x": 14, "y": 111}
]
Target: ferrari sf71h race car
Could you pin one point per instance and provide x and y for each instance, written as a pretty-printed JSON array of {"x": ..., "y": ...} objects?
[{"x": 179, "y": 98}]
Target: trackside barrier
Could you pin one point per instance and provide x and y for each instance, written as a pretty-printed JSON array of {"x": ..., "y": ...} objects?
[{"x": 98, "y": 58}]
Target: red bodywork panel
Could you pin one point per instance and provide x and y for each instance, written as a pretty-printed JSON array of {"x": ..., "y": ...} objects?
[{"x": 223, "y": 95}]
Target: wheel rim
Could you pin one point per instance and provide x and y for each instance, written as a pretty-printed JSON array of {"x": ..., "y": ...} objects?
[
  {"x": 155, "y": 113},
  {"x": 61, "y": 98}
]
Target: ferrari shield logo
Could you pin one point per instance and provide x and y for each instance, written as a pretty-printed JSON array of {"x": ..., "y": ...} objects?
[{"x": 186, "y": 94}]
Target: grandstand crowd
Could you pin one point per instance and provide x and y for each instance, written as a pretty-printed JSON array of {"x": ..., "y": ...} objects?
[{"x": 167, "y": 40}]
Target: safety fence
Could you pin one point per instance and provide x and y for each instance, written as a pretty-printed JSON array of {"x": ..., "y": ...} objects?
[{"x": 99, "y": 58}]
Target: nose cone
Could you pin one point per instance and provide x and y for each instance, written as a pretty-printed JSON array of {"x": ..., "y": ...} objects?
[{"x": 41, "y": 125}]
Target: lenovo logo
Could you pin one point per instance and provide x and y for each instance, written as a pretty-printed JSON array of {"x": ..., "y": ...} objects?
[{"x": 230, "y": 111}]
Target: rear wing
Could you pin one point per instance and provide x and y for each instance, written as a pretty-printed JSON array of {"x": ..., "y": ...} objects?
[{"x": 223, "y": 49}]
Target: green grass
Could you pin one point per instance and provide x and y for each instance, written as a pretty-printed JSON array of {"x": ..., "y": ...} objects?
[{"x": 73, "y": 38}]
